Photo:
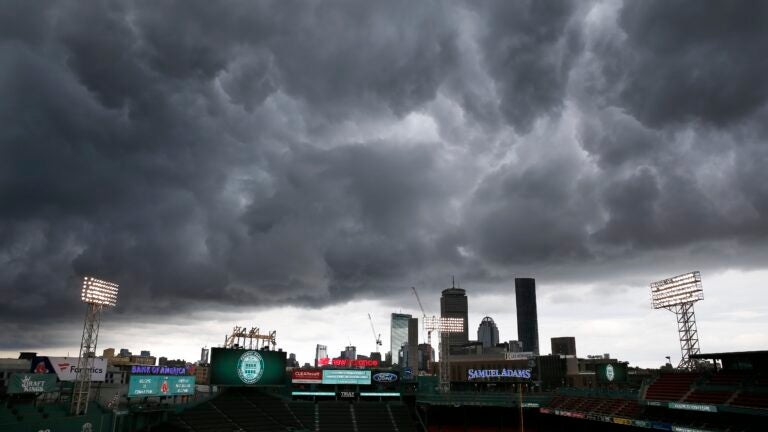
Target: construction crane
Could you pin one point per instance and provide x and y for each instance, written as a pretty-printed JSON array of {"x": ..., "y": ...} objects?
[
  {"x": 377, "y": 338},
  {"x": 424, "y": 317}
]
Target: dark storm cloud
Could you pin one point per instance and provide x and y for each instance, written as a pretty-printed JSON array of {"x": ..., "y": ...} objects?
[
  {"x": 529, "y": 48},
  {"x": 125, "y": 153},
  {"x": 685, "y": 62},
  {"x": 208, "y": 155}
]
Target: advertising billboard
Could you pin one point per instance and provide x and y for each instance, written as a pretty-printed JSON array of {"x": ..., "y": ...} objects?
[
  {"x": 385, "y": 377},
  {"x": 66, "y": 369},
  {"x": 153, "y": 385},
  {"x": 347, "y": 376},
  {"x": 307, "y": 376},
  {"x": 611, "y": 373},
  {"x": 31, "y": 383},
  {"x": 240, "y": 367}
]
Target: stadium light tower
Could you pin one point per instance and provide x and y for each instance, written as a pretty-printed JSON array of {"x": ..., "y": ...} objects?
[
  {"x": 97, "y": 294},
  {"x": 678, "y": 294},
  {"x": 444, "y": 326}
]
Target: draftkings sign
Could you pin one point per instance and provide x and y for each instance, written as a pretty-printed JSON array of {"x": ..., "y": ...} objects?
[{"x": 31, "y": 383}]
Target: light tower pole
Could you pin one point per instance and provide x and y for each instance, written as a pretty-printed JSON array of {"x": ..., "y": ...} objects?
[
  {"x": 97, "y": 294},
  {"x": 678, "y": 294},
  {"x": 444, "y": 326}
]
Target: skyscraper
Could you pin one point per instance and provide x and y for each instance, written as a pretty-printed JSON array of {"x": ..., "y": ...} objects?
[
  {"x": 413, "y": 344},
  {"x": 564, "y": 345},
  {"x": 321, "y": 352},
  {"x": 488, "y": 333},
  {"x": 204, "y": 355},
  {"x": 398, "y": 334},
  {"x": 453, "y": 304},
  {"x": 527, "y": 317}
]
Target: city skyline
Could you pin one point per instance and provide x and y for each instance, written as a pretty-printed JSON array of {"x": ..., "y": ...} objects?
[{"x": 297, "y": 168}]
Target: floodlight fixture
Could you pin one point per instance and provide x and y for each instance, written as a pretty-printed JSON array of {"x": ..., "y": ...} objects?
[
  {"x": 685, "y": 288},
  {"x": 446, "y": 326},
  {"x": 99, "y": 292},
  {"x": 678, "y": 294}
]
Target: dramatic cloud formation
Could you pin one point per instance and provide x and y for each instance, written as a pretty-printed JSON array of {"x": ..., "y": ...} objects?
[{"x": 214, "y": 156}]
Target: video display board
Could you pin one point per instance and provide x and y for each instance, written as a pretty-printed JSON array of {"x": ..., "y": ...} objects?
[
  {"x": 346, "y": 376},
  {"x": 155, "y": 385},
  {"x": 611, "y": 373},
  {"x": 240, "y": 367}
]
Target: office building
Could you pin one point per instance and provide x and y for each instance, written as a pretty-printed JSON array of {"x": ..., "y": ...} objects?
[
  {"x": 349, "y": 353},
  {"x": 321, "y": 352},
  {"x": 145, "y": 353},
  {"x": 125, "y": 352},
  {"x": 108, "y": 353},
  {"x": 564, "y": 345},
  {"x": 426, "y": 357},
  {"x": 488, "y": 333},
  {"x": 412, "y": 360},
  {"x": 453, "y": 304},
  {"x": 204, "y": 352},
  {"x": 291, "y": 361},
  {"x": 398, "y": 335},
  {"x": 527, "y": 316}
]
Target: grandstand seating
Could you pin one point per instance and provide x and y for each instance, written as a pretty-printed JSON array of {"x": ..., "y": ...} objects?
[
  {"x": 372, "y": 417},
  {"x": 728, "y": 378},
  {"x": 401, "y": 417},
  {"x": 305, "y": 412},
  {"x": 752, "y": 400},
  {"x": 671, "y": 386},
  {"x": 709, "y": 397},
  {"x": 335, "y": 417},
  {"x": 603, "y": 405}
]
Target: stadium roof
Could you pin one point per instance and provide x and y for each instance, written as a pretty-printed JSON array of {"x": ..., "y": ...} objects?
[{"x": 731, "y": 355}]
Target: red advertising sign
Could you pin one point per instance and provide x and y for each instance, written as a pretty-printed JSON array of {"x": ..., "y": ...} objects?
[
  {"x": 347, "y": 363},
  {"x": 307, "y": 376}
]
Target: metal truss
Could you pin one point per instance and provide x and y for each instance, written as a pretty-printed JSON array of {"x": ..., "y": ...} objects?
[
  {"x": 82, "y": 389},
  {"x": 689, "y": 336}
]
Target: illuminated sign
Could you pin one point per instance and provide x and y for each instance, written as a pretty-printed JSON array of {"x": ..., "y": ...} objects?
[
  {"x": 325, "y": 361},
  {"x": 390, "y": 394},
  {"x": 151, "y": 385},
  {"x": 304, "y": 376},
  {"x": 238, "y": 367},
  {"x": 158, "y": 370},
  {"x": 611, "y": 373},
  {"x": 692, "y": 407},
  {"x": 385, "y": 377},
  {"x": 305, "y": 393},
  {"x": 518, "y": 355},
  {"x": 498, "y": 373},
  {"x": 342, "y": 376}
]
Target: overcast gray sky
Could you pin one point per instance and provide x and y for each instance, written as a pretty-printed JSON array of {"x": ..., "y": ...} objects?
[{"x": 297, "y": 165}]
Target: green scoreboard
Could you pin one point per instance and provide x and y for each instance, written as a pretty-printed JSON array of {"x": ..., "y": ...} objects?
[
  {"x": 611, "y": 373},
  {"x": 242, "y": 367},
  {"x": 158, "y": 385}
]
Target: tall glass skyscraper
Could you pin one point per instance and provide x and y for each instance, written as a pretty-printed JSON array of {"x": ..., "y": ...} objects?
[
  {"x": 398, "y": 334},
  {"x": 527, "y": 317}
]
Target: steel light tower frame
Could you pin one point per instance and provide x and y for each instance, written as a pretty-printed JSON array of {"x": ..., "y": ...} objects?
[
  {"x": 678, "y": 294},
  {"x": 444, "y": 326},
  {"x": 97, "y": 294}
]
